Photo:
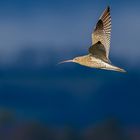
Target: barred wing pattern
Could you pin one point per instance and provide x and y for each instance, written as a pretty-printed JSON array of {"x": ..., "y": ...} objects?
[{"x": 102, "y": 31}]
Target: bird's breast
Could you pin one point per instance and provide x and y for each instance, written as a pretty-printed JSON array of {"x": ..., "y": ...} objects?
[{"x": 93, "y": 62}]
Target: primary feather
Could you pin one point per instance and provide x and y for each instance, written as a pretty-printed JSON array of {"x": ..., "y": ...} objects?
[{"x": 102, "y": 31}]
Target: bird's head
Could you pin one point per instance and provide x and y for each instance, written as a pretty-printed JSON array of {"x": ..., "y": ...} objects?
[{"x": 76, "y": 59}]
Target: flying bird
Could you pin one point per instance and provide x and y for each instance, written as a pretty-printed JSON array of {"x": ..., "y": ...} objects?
[{"x": 98, "y": 56}]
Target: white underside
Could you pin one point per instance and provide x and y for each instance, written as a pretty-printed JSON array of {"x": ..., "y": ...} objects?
[{"x": 98, "y": 63}]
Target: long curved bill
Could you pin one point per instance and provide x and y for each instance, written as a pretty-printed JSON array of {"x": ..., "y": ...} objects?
[{"x": 66, "y": 61}]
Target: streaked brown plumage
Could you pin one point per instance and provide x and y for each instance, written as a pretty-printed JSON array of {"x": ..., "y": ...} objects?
[{"x": 98, "y": 56}]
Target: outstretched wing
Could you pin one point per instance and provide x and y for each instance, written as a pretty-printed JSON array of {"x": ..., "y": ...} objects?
[
  {"x": 98, "y": 51},
  {"x": 102, "y": 31}
]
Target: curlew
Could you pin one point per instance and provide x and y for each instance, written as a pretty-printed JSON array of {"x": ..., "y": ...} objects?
[{"x": 98, "y": 56}]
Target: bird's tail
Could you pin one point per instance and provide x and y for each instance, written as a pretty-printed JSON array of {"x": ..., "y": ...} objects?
[
  {"x": 119, "y": 69},
  {"x": 114, "y": 68}
]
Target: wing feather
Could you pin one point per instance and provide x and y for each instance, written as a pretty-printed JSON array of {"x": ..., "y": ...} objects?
[{"x": 103, "y": 34}]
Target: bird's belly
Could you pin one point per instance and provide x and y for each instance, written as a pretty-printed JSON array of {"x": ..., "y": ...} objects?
[{"x": 94, "y": 63}]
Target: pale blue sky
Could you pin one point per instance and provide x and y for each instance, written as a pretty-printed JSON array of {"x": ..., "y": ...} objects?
[{"x": 67, "y": 23}]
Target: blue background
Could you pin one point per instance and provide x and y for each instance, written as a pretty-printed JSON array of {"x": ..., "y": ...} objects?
[{"x": 37, "y": 34}]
